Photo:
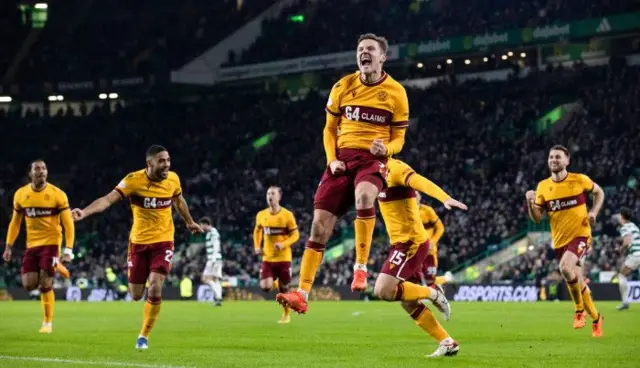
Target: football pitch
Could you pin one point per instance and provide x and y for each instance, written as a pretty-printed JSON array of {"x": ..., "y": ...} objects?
[{"x": 332, "y": 334}]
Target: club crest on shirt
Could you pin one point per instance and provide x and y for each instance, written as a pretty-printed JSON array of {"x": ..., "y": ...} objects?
[{"x": 382, "y": 96}]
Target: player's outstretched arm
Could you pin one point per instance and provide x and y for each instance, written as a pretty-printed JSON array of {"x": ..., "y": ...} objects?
[
  {"x": 12, "y": 233},
  {"x": 598, "y": 201},
  {"x": 97, "y": 206},
  {"x": 535, "y": 211},
  {"x": 183, "y": 209},
  {"x": 426, "y": 186}
]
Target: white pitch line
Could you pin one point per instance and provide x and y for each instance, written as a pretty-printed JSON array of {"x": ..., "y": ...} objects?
[{"x": 87, "y": 362}]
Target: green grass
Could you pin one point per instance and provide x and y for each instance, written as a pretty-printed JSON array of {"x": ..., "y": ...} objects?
[{"x": 245, "y": 334}]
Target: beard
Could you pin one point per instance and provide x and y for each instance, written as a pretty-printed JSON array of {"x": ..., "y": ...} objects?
[{"x": 557, "y": 169}]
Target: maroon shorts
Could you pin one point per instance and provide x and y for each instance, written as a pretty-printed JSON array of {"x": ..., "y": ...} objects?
[
  {"x": 276, "y": 270},
  {"x": 43, "y": 258},
  {"x": 336, "y": 193},
  {"x": 406, "y": 260},
  {"x": 578, "y": 246},
  {"x": 146, "y": 258}
]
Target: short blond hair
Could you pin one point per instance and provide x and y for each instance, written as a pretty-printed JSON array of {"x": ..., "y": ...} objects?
[{"x": 384, "y": 44}]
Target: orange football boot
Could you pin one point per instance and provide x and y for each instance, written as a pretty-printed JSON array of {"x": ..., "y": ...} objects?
[
  {"x": 596, "y": 327},
  {"x": 293, "y": 300},
  {"x": 359, "y": 282},
  {"x": 579, "y": 319}
]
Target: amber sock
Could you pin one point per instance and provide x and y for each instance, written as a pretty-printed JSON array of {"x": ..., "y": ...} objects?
[
  {"x": 409, "y": 291},
  {"x": 576, "y": 294},
  {"x": 427, "y": 322},
  {"x": 150, "y": 314},
  {"x": 588, "y": 303},
  {"x": 441, "y": 280},
  {"x": 47, "y": 300},
  {"x": 311, "y": 260},
  {"x": 364, "y": 225}
]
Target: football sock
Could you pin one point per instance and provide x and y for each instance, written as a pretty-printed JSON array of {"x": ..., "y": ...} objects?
[
  {"x": 427, "y": 322},
  {"x": 63, "y": 271},
  {"x": 576, "y": 294},
  {"x": 624, "y": 287},
  {"x": 276, "y": 285},
  {"x": 47, "y": 300},
  {"x": 364, "y": 225},
  {"x": 216, "y": 288},
  {"x": 441, "y": 280},
  {"x": 311, "y": 260},
  {"x": 409, "y": 291},
  {"x": 588, "y": 303},
  {"x": 285, "y": 312},
  {"x": 150, "y": 314}
]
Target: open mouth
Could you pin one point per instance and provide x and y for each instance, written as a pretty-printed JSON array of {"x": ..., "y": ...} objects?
[{"x": 365, "y": 60}]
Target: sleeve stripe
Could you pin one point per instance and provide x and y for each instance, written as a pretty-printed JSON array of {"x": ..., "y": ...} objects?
[
  {"x": 19, "y": 210},
  {"x": 400, "y": 124},
  {"x": 177, "y": 194},
  {"x": 593, "y": 185},
  {"x": 407, "y": 178},
  {"x": 120, "y": 192},
  {"x": 63, "y": 209},
  {"x": 333, "y": 113}
]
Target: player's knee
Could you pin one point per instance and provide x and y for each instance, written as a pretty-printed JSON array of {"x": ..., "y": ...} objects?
[
  {"x": 266, "y": 289},
  {"x": 319, "y": 229},
  {"x": 366, "y": 198},
  {"x": 567, "y": 270},
  {"x": 384, "y": 291},
  {"x": 46, "y": 282},
  {"x": 31, "y": 285}
]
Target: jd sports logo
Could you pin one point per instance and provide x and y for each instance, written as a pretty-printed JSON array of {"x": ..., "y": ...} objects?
[
  {"x": 604, "y": 26},
  {"x": 634, "y": 293}
]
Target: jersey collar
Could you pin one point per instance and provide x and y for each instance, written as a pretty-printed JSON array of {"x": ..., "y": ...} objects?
[{"x": 382, "y": 79}]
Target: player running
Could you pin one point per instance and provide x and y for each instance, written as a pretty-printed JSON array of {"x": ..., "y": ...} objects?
[
  {"x": 435, "y": 229},
  {"x": 370, "y": 110},
  {"x": 631, "y": 246},
  {"x": 212, "y": 274},
  {"x": 151, "y": 191},
  {"x": 44, "y": 206},
  {"x": 274, "y": 234},
  {"x": 564, "y": 197},
  {"x": 402, "y": 272}
]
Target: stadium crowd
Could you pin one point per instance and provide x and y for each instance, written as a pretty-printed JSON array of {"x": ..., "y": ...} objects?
[
  {"x": 479, "y": 140},
  {"x": 83, "y": 40},
  {"x": 420, "y": 20},
  {"x": 119, "y": 38}
]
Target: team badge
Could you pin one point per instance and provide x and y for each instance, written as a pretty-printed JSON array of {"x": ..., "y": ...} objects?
[
  {"x": 353, "y": 93},
  {"x": 382, "y": 96},
  {"x": 46, "y": 197}
]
